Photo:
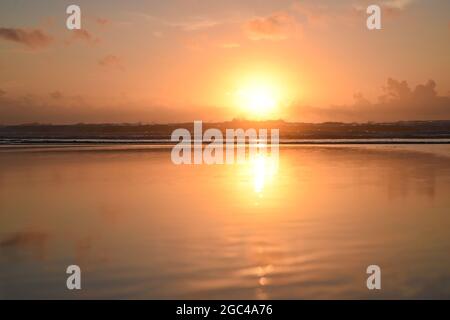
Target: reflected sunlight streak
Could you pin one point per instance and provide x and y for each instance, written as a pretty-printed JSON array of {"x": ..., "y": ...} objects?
[{"x": 264, "y": 168}]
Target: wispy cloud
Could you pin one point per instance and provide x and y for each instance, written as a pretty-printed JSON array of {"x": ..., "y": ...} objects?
[
  {"x": 33, "y": 39},
  {"x": 196, "y": 24},
  {"x": 313, "y": 14},
  {"x": 398, "y": 4},
  {"x": 84, "y": 36},
  {"x": 102, "y": 21},
  {"x": 57, "y": 95},
  {"x": 277, "y": 26},
  {"x": 391, "y": 7},
  {"x": 111, "y": 62},
  {"x": 188, "y": 24}
]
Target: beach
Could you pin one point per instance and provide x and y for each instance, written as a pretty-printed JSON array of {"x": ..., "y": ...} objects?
[{"x": 305, "y": 225}]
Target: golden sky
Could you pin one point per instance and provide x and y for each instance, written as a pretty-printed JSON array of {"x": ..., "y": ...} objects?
[{"x": 181, "y": 60}]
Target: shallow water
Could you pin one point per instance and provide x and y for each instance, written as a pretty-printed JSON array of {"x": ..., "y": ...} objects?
[{"x": 305, "y": 226}]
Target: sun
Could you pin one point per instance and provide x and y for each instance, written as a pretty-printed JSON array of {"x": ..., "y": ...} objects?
[{"x": 258, "y": 98}]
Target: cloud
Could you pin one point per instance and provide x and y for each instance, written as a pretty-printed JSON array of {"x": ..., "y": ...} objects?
[
  {"x": 102, "y": 21},
  {"x": 2, "y": 92},
  {"x": 188, "y": 25},
  {"x": 196, "y": 24},
  {"x": 397, "y": 4},
  {"x": 56, "y": 95},
  {"x": 31, "y": 241},
  {"x": 313, "y": 14},
  {"x": 33, "y": 39},
  {"x": 394, "y": 8},
  {"x": 399, "y": 91},
  {"x": 391, "y": 8},
  {"x": 24, "y": 239},
  {"x": 111, "y": 62},
  {"x": 278, "y": 26},
  {"x": 82, "y": 35},
  {"x": 397, "y": 102}
]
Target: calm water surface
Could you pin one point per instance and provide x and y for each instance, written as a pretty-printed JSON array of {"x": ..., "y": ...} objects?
[{"x": 306, "y": 226}]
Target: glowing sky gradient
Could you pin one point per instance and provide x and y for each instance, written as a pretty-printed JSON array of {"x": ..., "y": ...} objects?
[{"x": 180, "y": 60}]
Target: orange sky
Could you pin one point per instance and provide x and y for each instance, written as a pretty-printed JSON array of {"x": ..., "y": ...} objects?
[{"x": 168, "y": 61}]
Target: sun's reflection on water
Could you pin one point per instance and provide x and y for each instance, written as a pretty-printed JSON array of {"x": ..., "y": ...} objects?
[{"x": 264, "y": 169}]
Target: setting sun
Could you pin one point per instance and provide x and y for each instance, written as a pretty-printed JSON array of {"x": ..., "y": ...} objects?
[{"x": 258, "y": 98}]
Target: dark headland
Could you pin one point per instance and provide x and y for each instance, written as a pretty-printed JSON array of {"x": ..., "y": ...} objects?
[{"x": 433, "y": 130}]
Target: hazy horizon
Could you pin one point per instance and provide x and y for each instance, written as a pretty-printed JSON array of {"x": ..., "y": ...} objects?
[{"x": 237, "y": 120}]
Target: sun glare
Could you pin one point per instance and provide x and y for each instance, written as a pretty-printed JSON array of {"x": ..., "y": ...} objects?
[
  {"x": 258, "y": 99},
  {"x": 264, "y": 168}
]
